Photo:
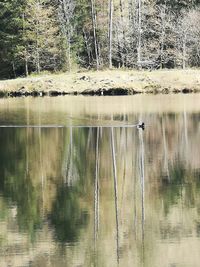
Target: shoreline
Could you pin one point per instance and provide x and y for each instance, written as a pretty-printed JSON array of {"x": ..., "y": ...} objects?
[{"x": 104, "y": 83}]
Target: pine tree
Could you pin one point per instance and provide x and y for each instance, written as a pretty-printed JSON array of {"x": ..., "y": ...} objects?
[{"x": 11, "y": 37}]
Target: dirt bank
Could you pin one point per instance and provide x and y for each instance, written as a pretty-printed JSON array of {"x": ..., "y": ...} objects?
[{"x": 109, "y": 82}]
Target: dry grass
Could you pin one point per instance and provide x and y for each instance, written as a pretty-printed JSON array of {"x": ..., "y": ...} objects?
[{"x": 165, "y": 81}]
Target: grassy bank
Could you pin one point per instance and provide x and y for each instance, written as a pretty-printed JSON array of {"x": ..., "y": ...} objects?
[{"x": 105, "y": 82}]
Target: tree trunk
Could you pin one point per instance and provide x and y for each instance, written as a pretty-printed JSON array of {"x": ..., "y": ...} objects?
[
  {"x": 37, "y": 52},
  {"x": 94, "y": 32},
  {"x": 139, "y": 35},
  {"x": 69, "y": 52},
  {"x": 26, "y": 66},
  {"x": 37, "y": 61},
  {"x": 26, "y": 62},
  {"x": 184, "y": 50},
  {"x": 14, "y": 69},
  {"x": 25, "y": 50},
  {"x": 162, "y": 38},
  {"x": 67, "y": 30},
  {"x": 123, "y": 32},
  {"x": 110, "y": 32},
  {"x": 37, "y": 40},
  {"x": 87, "y": 47}
]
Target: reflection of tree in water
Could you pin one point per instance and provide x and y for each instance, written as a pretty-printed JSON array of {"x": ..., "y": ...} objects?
[
  {"x": 67, "y": 217},
  {"x": 171, "y": 189},
  {"x": 15, "y": 184},
  {"x": 78, "y": 160},
  {"x": 24, "y": 173},
  {"x": 181, "y": 180},
  {"x": 29, "y": 161},
  {"x": 165, "y": 156}
]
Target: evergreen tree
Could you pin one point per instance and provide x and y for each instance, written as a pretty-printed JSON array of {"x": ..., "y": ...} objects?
[{"x": 11, "y": 37}]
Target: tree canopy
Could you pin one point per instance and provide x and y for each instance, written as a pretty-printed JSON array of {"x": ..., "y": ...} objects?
[{"x": 43, "y": 35}]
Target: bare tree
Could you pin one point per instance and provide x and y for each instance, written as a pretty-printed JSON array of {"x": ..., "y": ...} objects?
[{"x": 188, "y": 35}]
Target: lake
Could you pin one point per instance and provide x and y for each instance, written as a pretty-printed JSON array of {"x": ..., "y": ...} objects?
[{"x": 81, "y": 185}]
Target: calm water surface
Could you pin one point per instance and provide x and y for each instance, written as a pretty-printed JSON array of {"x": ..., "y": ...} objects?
[{"x": 100, "y": 196}]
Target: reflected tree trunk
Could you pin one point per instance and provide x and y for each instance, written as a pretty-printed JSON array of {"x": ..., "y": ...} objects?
[
  {"x": 135, "y": 196},
  {"x": 142, "y": 181},
  {"x": 166, "y": 163},
  {"x": 41, "y": 166},
  {"x": 69, "y": 161},
  {"x": 89, "y": 138},
  {"x": 27, "y": 138},
  {"x": 115, "y": 189},
  {"x": 69, "y": 176},
  {"x": 96, "y": 190},
  {"x": 123, "y": 159},
  {"x": 185, "y": 128}
]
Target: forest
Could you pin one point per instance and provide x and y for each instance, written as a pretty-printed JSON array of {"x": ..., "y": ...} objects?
[{"x": 65, "y": 35}]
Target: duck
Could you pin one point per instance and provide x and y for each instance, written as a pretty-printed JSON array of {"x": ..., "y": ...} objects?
[{"x": 141, "y": 125}]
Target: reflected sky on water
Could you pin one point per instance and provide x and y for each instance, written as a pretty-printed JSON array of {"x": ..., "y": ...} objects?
[{"x": 100, "y": 196}]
